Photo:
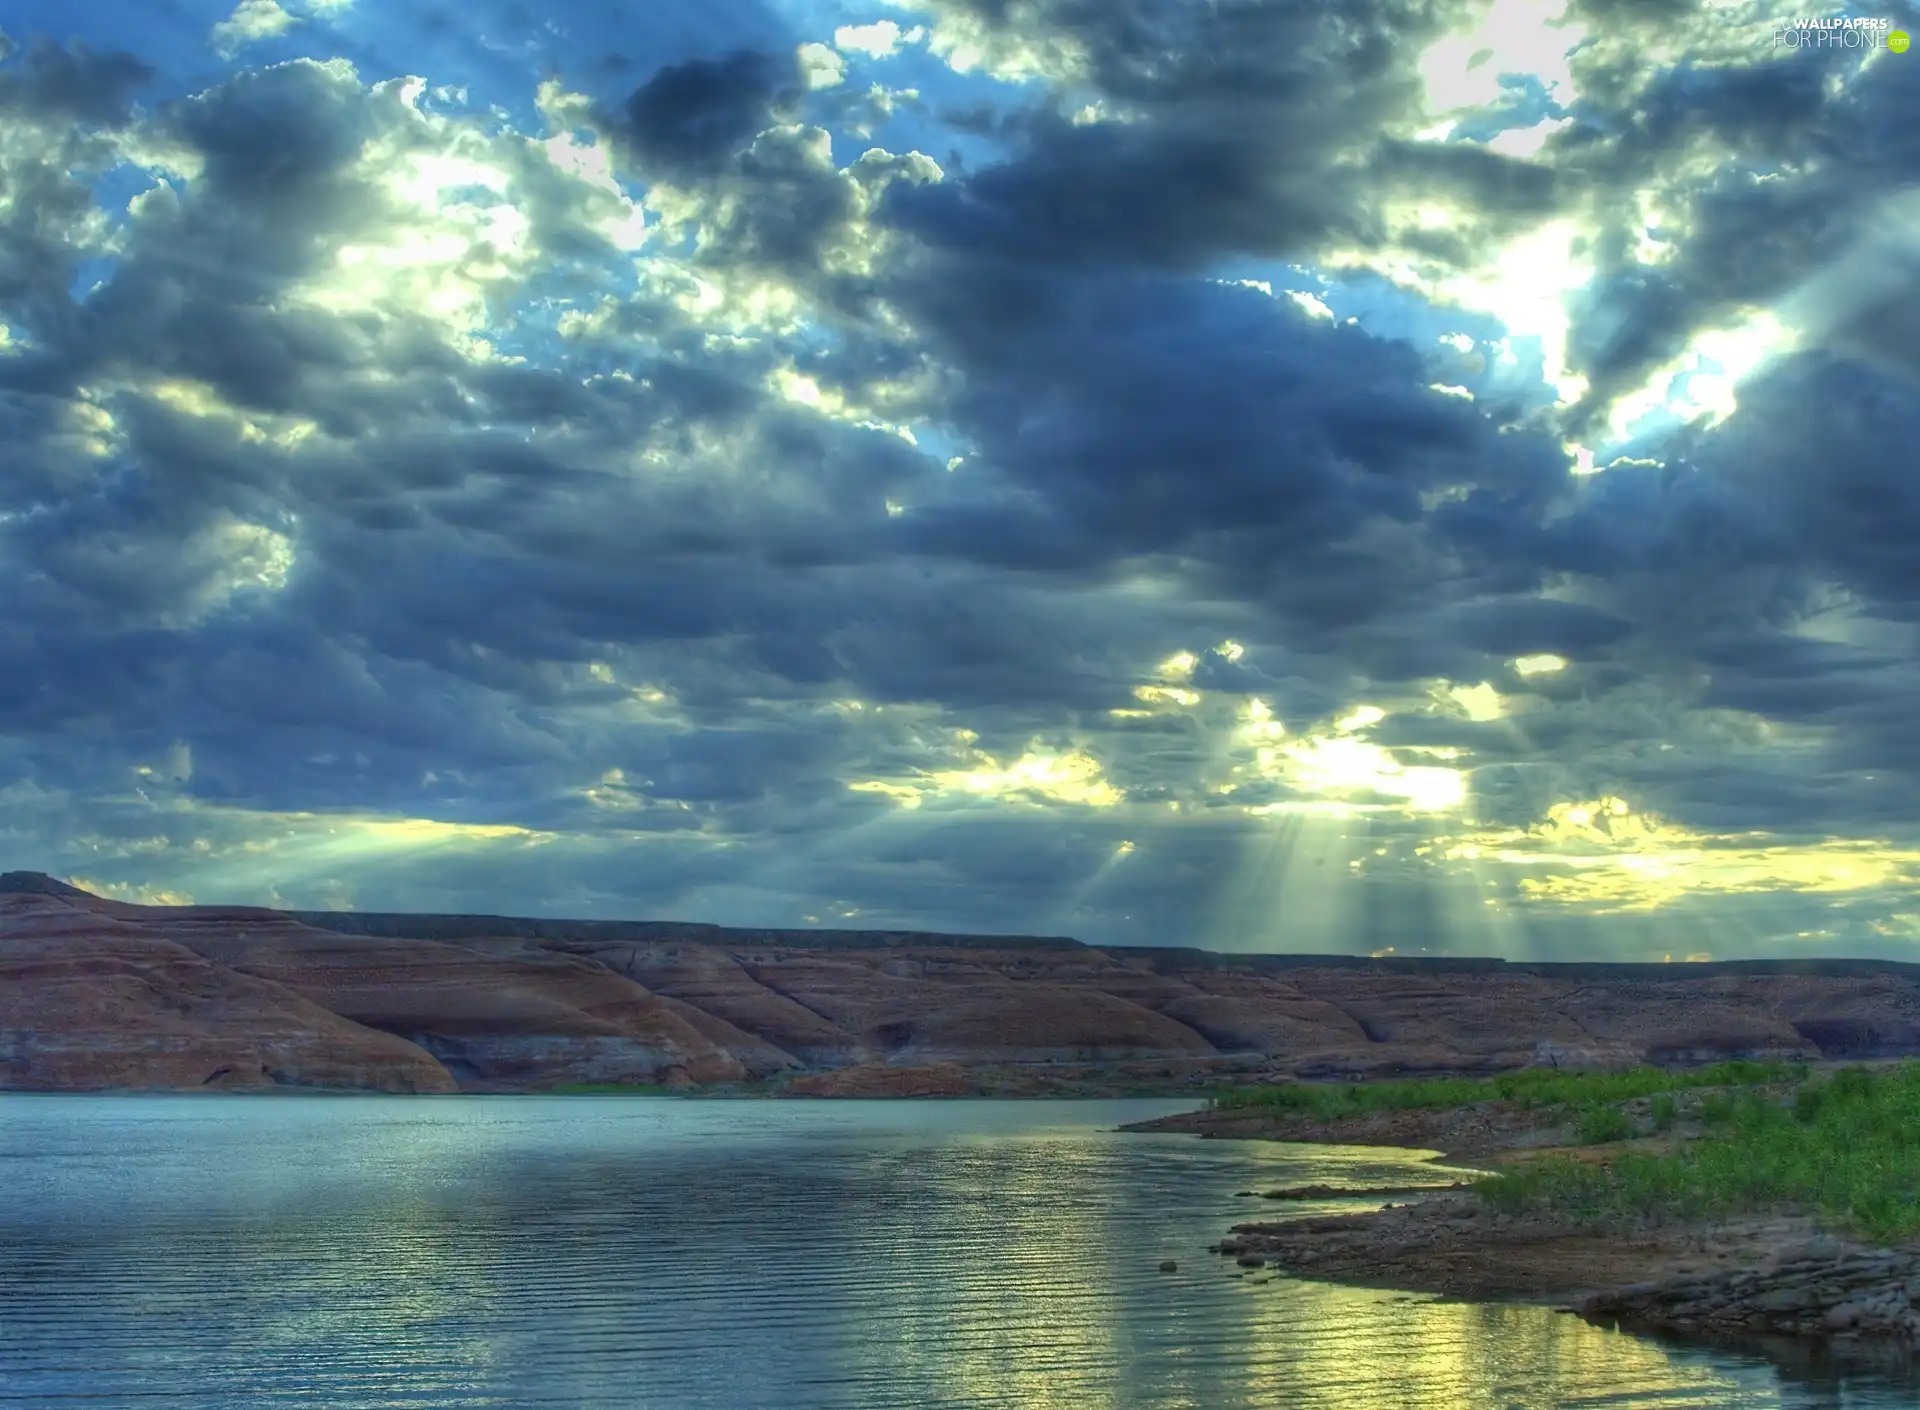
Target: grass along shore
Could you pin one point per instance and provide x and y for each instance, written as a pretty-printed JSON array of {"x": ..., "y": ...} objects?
[
  {"x": 1739, "y": 1138},
  {"x": 1844, "y": 1148},
  {"x": 1544, "y": 1088}
]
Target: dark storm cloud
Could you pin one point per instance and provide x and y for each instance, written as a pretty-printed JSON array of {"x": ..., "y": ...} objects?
[
  {"x": 690, "y": 117},
  {"x": 1269, "y": 454},
  {"x": 282, "y": 193},
  {"x": 1821, "y": 441},
  {"x": 1804, "y": 489},
  {"x": 1678, "y": 554},
  {"x": 1717, "y": 573},
  {"x": 1251, "y": 129},
  {"x": 1245, "y": 109},
  {"x": 1106, "y": 191},
  {"x": 1785, "y": 676},
  {"x": 794, "y": 206},
  {"x": 53, "y": 105},
  {"x": 281, "y": 143},
  {"x": 1532, "y": 626},
  {"x": 72, "y": 82},
  {"x": 1830, "y": 441},
  {"x": 972, "y": 640}
]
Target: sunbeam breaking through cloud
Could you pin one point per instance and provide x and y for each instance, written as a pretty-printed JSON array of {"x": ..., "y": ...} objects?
[{"x": 1427, "y": 477}]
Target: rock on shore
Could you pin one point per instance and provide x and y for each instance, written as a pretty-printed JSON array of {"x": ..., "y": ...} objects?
[
  {"x": 100, "y": 993},
  {"x": 1819, "y": 1288},
  {"x": 1448, "y": 1243},
  {"x": 1758, "y": 1277}
]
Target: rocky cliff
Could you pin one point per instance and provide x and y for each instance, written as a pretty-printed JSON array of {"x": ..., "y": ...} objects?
[{"x": 103, "y": 994}]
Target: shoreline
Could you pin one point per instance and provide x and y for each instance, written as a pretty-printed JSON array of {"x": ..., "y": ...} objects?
[{"x": 1774, "y": 1281}]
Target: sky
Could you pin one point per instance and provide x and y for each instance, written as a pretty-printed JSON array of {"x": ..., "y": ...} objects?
[{"x": 1399, "y": 476}]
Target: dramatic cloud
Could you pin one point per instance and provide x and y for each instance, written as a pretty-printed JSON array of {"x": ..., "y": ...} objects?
[
  {"x": 688, "y": 118},
  {"x": 1268, "y": 475}
]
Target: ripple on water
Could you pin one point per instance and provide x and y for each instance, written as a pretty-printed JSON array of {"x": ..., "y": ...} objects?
[{"x": 722, "y": 1255}]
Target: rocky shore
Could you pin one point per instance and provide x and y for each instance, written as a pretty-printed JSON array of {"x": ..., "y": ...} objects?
[
  {"x": 1771, "y": 1279},
  {"x": 1760, "y": 1278},
  {"x": 1823, "y": 1287}
]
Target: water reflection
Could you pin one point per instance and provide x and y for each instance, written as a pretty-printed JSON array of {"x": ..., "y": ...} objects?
[{"x": 230, "y": 1251}]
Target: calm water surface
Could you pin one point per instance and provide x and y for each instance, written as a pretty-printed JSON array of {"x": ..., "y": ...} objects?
[{"x": 677, "y": 1255}]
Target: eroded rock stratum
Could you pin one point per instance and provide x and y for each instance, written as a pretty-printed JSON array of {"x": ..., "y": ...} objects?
[{"x": 100, "y": 994}]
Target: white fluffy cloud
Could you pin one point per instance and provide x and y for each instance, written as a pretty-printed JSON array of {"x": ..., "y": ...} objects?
[{"x": 250, "y": 22}]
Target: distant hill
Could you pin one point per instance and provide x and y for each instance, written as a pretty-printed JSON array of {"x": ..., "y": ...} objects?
[
  {"x": 36, "y": 883},
  {"x": 103, "y": 993}
]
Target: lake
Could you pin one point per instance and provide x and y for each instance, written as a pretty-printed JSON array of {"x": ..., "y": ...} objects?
[{"x": 669, "y": 1254}]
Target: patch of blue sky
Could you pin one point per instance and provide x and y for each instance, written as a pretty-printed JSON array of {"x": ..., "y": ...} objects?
[
  {"x": 680, "y": 248},
  {"x": 818, "y": 19},
  {"x": 112, "y": 191},
  {"x": 526, "y": 330},
  {"x": 114, "y": 188},
  {"x": 466, "y": 68},
  {"x": 380, "y": 38},
  {"x": 942, "y": 445},
  {"x": 1658, "y": 426},
  {"x": 1385, "y": 310},
  {"x": 1515, "y": 376},
  {"x": 1524, "y": 102},
  {"x": 604, "y": 52},
  {"x": 1498, "y": 366},
  {"x": 494, "y": 53},
  {"x": 644, "y": 37},
  {"x": 171, "y": 38},
  {"x": 1658, "y": 439},
  {"x": 580, "y": 281},
  {"x": 814, "y": 339},
  {"x": 90, "y": 275},
  {"x": 923, "y": 127},
  {"x": 1276, "y": 274},
  {"x": 923, "y": 90}
]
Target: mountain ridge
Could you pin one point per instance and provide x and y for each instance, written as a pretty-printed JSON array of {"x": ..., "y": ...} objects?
[{"x": 102, "y": 993}]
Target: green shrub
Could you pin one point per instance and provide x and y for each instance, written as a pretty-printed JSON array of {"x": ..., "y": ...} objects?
[
  {"x": 1665, "y": 1111},
  {"x": 1851, "y": 1084},
  {"x": 1531, "y": 1088},
  {"x": 1850, "y": 1154},
  {"x": 1716, "y": 1108},
  {"x": 1600, "y": 1124}
]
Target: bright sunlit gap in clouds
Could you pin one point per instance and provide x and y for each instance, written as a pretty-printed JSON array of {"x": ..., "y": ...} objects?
[
  {"x": 786, "y": 463},
  {"x": 1532, "y": 282}
]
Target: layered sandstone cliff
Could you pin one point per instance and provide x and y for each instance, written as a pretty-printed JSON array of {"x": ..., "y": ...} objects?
[{"x": 102, "y": 994}]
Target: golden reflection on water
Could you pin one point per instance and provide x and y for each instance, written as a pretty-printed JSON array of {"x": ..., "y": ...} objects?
[
  {"x": 1056, "y": 1281},
  {"x": 1346, "y": 1346},
  {"x": 729, "y": 1256}
]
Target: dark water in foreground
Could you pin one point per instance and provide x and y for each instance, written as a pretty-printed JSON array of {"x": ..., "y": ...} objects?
[{"x": 676, "y": 1255}]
